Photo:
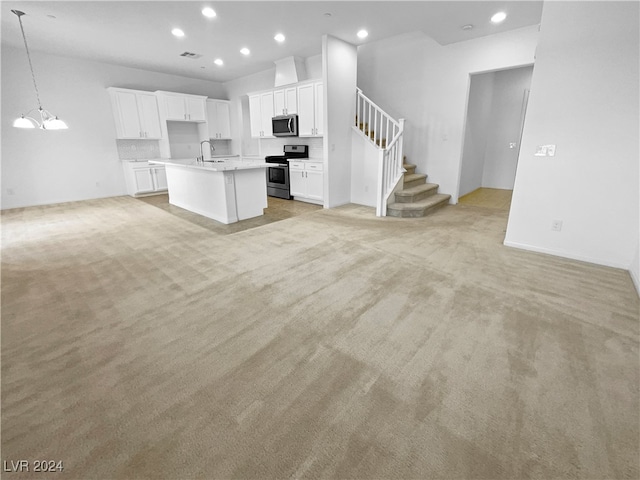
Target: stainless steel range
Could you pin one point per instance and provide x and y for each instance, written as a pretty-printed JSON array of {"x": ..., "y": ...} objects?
[{"x": 278, "y": 175}]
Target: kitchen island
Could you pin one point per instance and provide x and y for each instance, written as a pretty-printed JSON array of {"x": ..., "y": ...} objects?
[{"x": 224, "y": 190}]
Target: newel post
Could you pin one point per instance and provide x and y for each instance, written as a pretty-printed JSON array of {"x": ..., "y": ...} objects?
[
  {"x": 401, "y": 143},
  {"x": 381, "y": 205}
]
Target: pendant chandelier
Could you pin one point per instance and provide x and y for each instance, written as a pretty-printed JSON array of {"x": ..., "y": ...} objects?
[{"x": 47, "y": 121}]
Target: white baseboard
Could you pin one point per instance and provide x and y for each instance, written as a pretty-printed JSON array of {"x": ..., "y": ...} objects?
[{"x": 560, "y": 253}]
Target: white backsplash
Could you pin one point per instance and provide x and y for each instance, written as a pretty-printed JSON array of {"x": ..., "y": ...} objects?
[
  {"x": 223, "y": 147},
  {"x": 137, "y": 149},
  {"x": 274, "y": 146}
]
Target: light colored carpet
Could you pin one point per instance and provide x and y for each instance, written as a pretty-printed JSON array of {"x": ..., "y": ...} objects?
[{"x": 334, "y": 344}]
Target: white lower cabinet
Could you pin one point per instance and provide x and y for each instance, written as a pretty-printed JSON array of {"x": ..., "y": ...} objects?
[
  {"x": 306, "y": 180},
  {"x": 144, "y": 179}
]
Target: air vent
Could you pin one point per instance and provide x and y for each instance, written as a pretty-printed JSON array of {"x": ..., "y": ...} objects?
[{"x": 190, "y": 55}]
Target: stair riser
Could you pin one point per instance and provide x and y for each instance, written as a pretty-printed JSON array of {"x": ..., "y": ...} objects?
[
  {"x": 410, "y": 170},
  {"x": 415, "y": 183},
  {"x": 416, "y": 213},
  {"x": 415, "y": 198}
]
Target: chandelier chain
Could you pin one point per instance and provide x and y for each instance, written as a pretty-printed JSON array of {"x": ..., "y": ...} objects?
[{"x": 24, "y": 37}]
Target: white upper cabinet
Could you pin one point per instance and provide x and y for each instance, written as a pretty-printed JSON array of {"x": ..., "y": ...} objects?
[
  {"x": 285, "y": 101},
  {"x": 310, "y": 109},
  {"x": 179, "y": 106},
  {"x": 261, "y": 113},
  {"x": 135, "y": 113},
  {"x": 219, "y": 119}
]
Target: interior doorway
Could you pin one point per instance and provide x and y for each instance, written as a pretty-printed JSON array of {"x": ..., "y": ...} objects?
[{"x": 496, "y": 109}]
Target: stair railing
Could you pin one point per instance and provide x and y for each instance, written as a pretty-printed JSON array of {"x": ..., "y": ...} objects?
[{"x": 379, "y": 127}]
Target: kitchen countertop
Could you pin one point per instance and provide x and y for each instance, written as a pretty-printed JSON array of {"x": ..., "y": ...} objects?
[{"x": 210, "y": 166}]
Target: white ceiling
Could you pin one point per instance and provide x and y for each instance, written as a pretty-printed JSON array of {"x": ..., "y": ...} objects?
[{"x": 138, "y": 34}]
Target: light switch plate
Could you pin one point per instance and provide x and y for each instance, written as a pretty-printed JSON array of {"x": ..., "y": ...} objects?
[{"x": 545, "y": 151}]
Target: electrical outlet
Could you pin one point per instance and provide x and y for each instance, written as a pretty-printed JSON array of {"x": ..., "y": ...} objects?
[
  {"x": 556, "y": 225},
  {"x": 551, "y": 150}
]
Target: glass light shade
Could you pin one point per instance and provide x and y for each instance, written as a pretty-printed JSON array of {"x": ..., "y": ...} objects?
[
  {"x": 23, "y": 122},
  {"x": 54, "y": 124}
]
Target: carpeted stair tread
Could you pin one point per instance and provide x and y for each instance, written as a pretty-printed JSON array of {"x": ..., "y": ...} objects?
[
  {"x": 426, "y": 188},
  {"x": 419, "y": 208},
  {"x": 410, "y": 168},
  {"x": 410, "y": 177},
  {"x": 414, "y": 179}
]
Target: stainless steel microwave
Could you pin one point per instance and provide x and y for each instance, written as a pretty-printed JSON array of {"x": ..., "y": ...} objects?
[{"x": 285, "y": 126}]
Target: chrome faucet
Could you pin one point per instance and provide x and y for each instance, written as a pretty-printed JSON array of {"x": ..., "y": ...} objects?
[{"x": 211, "y": 147}]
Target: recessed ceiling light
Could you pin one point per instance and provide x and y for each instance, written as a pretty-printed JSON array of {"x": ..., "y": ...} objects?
[
  {"x": 177, "y": 32},
  {"x": 279, "y": 37},
  {"x": 51, "y": 16},
  {"x": 218, "y": 62},
  {"x": 327, "y": 14},
  {"x": 467, "y": 27},
  {"x": 363, "y": 34},
  {"x": 208, "y": 12},
  {"x": 245, "y": 51},
  {"x": 498, "y": 17}
]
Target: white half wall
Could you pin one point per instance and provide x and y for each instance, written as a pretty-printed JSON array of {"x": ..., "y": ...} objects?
[
  {"x": 340, "y": 65},
  {"x": 585, "y": 100},
  {"x": 42, "y": 167},
  {"x": 413, "y": 77},
  {"x": 365, "y": 156}
]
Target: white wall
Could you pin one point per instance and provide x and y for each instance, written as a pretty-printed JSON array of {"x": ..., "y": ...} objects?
[
  {"x": 476, "y": 131},
  {"x": 42, "y": 167},
  {"x": 184, "y": 140},
  {"x": 584, "y": 98},
  {"x": 413, "y": 77},
  {"x": 340, "y": 60}
]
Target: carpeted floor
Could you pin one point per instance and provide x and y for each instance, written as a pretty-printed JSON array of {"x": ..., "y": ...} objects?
[{"x": 136, "y": 344}]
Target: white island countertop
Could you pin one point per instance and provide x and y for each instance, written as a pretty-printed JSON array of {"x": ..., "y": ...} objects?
[
  {"x": 225, "y": 190},
  {"x": 211, "y": 165}
]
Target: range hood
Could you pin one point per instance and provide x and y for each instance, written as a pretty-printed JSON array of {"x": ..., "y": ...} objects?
[{"x": 290, "y": 70}]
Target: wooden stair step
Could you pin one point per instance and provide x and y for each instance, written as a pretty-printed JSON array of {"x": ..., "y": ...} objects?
[
  {"x": 417, "y": 193},
  {"x": 420, "y": 208}
]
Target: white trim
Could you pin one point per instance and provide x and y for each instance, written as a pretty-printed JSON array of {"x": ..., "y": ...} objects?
[
  {"x": 560, "y": 253},
  {"x": 636, "y": 281}
]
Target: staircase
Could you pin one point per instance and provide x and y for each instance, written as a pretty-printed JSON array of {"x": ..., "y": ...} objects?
[
  {"x": 417, "y": 198},
  {"x": 413, "y": 196}
]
